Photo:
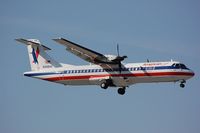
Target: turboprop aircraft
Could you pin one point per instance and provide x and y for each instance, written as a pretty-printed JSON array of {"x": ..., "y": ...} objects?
[{"x": 104, "y": 70}]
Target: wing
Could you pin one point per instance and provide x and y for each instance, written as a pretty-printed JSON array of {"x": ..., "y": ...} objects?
[{"x": 84, "y": 53}]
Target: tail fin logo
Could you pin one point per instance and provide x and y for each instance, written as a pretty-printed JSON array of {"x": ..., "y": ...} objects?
[{"x": 35, "y": 55}]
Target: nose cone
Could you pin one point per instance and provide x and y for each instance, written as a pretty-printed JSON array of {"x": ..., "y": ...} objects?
[{"x": 192, "y": 73}]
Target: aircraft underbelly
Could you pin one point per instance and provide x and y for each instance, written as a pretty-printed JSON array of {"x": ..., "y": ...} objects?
[{"x": 74, "y": 82}]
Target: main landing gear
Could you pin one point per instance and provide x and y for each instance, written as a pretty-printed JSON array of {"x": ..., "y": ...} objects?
[
  {"x": 104, "y": 85},
  {"x": 182, "y": 84},
  {"x": 122, "y": 90},
  {"x": 107, "y": 83}
]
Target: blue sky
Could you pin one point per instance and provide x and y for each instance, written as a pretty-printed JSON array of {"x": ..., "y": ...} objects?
[{"x": 158, "y": 30}]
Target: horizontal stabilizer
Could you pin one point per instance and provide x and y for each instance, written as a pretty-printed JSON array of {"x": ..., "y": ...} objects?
[{"x": 33, "y": 42}]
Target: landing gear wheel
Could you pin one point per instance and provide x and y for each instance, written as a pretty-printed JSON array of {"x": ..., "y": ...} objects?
[
  {"x": 121, "y": 91},
  {"x": 104, "y": 85},
  {"x": 182, "y": 85}
]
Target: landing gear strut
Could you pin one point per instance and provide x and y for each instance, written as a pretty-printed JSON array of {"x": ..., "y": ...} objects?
[
  {"x": 122, "y": 91},
  {"x": 182, "y": 84}
]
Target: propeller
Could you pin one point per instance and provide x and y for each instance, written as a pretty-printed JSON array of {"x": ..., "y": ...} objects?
[{"x": 119, "y": 59}]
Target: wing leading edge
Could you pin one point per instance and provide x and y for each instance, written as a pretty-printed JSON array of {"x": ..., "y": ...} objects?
[{"x": 85, "y": 53}]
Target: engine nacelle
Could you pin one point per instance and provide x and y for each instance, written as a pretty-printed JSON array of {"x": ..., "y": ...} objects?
[{"x": 111, "y": 57}]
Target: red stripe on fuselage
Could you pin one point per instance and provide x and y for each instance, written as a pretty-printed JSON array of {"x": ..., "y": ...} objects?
[{"x": 80, "y": 77}]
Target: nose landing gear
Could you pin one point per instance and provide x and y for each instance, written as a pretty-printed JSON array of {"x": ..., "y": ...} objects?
[{"x": 182, "y": 84}]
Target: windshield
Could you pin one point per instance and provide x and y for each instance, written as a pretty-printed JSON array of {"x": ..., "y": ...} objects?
[{"x": 179, "y": 66}]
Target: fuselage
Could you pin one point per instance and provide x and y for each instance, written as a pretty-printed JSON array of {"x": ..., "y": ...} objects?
[{"x": 129, "y": 74}]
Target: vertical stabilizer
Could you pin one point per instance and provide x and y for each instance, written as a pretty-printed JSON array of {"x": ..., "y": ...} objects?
[{"x": 38, "y": 57}]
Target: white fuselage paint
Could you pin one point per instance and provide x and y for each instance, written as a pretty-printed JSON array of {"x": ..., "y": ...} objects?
[{"x": 132, "y": 73}]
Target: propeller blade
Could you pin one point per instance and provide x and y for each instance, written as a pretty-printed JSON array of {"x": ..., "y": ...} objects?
[
  {"x": 117, "y": 49},
  {"x": 119, "y": 59},
  {"x": 120, "y": 67}
]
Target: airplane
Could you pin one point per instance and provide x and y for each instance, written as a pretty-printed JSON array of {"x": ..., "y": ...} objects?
[{"x": 103, "y": 70}]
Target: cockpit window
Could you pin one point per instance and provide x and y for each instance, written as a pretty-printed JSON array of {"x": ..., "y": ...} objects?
[
  {"x": 179, "y": 66},
  {"x": 183, "y": 66}
]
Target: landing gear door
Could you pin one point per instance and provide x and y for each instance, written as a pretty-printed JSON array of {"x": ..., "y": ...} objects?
[
  {"x": 120, "y": 81},
  {"x": 97, "y": 80}
]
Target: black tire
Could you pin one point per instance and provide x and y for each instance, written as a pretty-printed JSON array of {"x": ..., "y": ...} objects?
[
  {"x": 182, "y": 85},
  {"x": 104, "y": 85},
  {"x": 121, "y": 91}
]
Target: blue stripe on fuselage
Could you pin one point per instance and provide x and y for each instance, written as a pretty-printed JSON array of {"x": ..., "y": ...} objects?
[
  {"x": 39, "y": 74},
  {"x": 141, "y": 69}
]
